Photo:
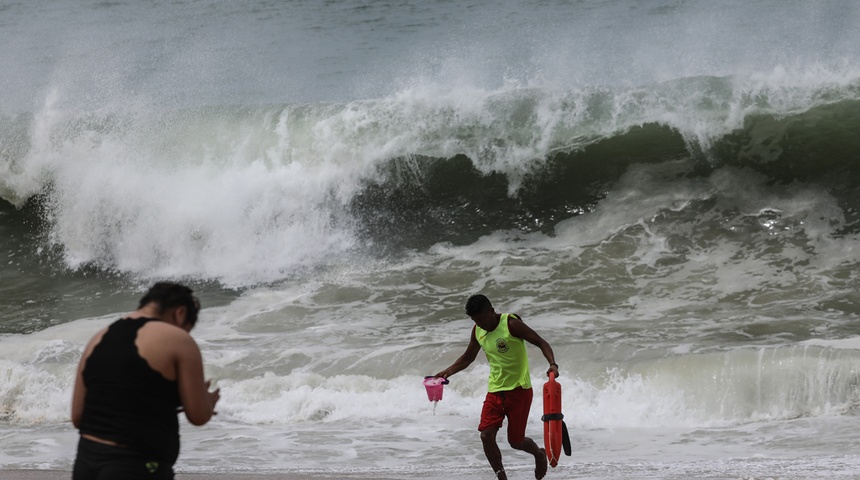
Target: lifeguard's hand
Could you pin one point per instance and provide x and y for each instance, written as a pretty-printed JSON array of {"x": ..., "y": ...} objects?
[{"x": 554, "y": 369}]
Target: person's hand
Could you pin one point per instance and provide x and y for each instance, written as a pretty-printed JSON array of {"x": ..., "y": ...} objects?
[
  {"x": 554, "y": 369},
  {"x": 442, "y": 374},
  {"x": 214, "y": 396}
]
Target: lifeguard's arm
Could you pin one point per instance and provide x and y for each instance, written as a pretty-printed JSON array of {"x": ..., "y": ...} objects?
[
  {"x": 465, "y": 359},
  {"x": 198, "y": 402},
  {"x": 519, "y": 329},
  {"x": 80, "y": 390}
]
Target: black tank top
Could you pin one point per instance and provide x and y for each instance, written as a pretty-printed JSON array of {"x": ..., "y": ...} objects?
[{"x": 126, "y": 400}]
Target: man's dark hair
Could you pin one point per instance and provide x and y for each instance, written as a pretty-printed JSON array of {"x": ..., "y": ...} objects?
[
  {"x": 171, "y": 295},
  {"x": 477, "y": 304}
]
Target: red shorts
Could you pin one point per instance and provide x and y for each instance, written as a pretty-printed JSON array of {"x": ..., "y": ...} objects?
[{"x": 514, "y": 404}]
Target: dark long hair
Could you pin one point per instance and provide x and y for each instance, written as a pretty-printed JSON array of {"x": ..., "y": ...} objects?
[{"x": 171, "y": 295}]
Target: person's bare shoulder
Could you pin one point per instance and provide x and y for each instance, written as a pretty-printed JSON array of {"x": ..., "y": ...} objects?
[
  {"x": 164, "y": 346},
  {"x": 169, "y": 339},
  {"x": 165, "y": 332}
]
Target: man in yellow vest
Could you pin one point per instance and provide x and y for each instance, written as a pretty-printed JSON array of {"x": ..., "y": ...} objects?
[{"x": 503, "y": 337}]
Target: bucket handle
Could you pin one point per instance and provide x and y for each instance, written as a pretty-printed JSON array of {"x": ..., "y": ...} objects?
[{"x": 444, "y": 380}]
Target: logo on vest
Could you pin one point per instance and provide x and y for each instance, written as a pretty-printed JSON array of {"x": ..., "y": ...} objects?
[{"x": 501, "y": 345}]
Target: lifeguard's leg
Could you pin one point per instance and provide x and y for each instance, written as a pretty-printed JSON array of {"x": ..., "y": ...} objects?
[
  {"x": 492, "y": 417},
  {"x": 529, "y": 445},
  {"x": 491, "y": 450},
  {"x": 518, "y": 404}
]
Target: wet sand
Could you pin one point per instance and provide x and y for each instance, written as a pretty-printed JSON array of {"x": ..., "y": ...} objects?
[{"x": 66, "y": 475}]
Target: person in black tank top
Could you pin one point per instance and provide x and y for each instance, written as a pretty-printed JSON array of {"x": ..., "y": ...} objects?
[{"x": 127, "y": 392}]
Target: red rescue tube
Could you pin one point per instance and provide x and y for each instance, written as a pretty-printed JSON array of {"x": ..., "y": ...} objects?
[{"x": 552, "y": 420}]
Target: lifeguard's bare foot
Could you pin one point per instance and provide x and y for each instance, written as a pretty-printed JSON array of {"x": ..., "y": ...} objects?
[{"x": 540, "y": 465}]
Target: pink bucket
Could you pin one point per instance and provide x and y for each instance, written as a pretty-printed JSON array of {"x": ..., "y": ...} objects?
[{"x": 434, "y": 386}]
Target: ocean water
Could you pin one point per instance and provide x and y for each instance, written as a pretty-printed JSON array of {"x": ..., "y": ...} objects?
[{"x": 667, "y": 191}]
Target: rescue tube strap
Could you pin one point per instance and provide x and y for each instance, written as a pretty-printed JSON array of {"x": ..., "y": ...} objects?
[
  {"x": 552, "y": 416},
  {"x": 565, "y": 439}
]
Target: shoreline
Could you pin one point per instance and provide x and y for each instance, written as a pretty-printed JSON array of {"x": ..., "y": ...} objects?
[
  {"x": 800, "y": 468},
  {"x": 27, "y": 474}
]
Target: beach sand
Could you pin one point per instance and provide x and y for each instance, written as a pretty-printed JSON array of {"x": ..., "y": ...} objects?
[
  {"x": 62, "y": 475},
  {"x": 65, "y": 475}
]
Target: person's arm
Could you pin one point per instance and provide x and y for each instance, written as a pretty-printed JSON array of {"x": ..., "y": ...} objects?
[
  {"x": 465, "y": 359},
  {"x": 80, "y": 390},
  {"x": 519, "y": 329},
  {"x": 198, "y": 402}
]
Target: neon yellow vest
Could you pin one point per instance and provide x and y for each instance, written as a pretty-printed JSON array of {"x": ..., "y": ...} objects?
[{"x": 509, "y": 362}]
